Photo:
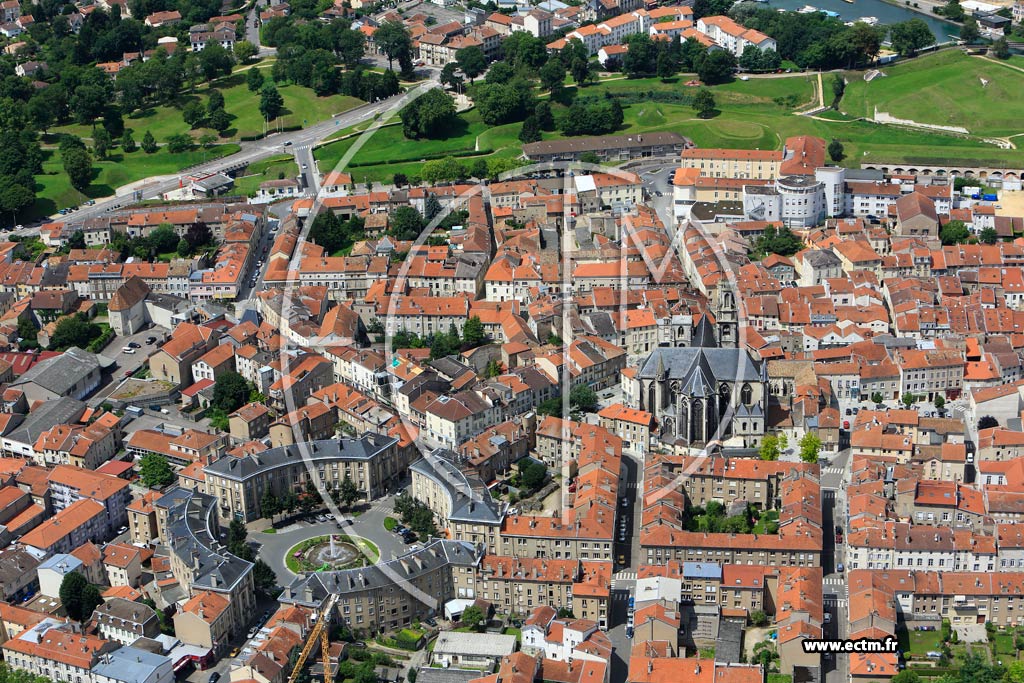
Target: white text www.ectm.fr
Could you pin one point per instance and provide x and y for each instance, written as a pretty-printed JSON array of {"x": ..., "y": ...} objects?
[{"x": 888, "y": 644}]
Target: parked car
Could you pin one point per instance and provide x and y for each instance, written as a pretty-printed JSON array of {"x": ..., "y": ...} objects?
[
  {"x": 135, "y": 345},
  {"x": 122, "y": 530},
  {"x": 430, "y": 622},
  {"x": 150, "y": 340},
  {"x": 214, "y": 677}
]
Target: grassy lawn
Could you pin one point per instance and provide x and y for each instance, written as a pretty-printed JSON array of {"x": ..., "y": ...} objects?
[
  {"x": 512, "y": 631},
  {"x": 271, "y": 530},
  {"x": 368, "y": 549},
  {"x": 947, "y": 90},
  {"x": 302, "y": 107},
  {"x": 1004, "y": 644},
  {"x": 920, "y": 643},
  {"x": 281, "y": 166},
  {"x": 390, "y": 523},
  {"x": 54, "y": 191},
  {"x": 753, "y": 114}
]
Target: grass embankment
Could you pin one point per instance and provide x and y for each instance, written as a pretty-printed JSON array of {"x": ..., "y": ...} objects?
[
  {"x": 274, "y": 168},
  {"x": 756, "y": 114},
  {"x": 54, "y": 190},
  {"x": 946, "y": 90}
]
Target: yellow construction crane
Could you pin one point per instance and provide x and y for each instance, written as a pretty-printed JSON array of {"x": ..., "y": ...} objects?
[{"x": 319, "y": 632}]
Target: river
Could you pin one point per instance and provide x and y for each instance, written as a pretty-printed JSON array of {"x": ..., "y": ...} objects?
[{"x": 885, "y": 12}]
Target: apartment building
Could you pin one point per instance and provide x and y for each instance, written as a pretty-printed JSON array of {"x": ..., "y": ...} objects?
[
  {"x": 125, "y": 621},
  {"x": 461, "y": 501},
  {"x": 373, "y": 462},
  {"x": 189, "y": 527},
  {"x": 69, "y": 485},
  {"x": 395, "y": 593},
  {"x": 82, "y": 521}
]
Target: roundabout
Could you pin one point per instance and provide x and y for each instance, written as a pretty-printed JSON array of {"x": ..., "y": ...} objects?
[{"x": 331, "y": 552}]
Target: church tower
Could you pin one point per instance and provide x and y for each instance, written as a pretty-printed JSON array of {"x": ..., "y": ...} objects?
[{"x": 727, "y": 318}]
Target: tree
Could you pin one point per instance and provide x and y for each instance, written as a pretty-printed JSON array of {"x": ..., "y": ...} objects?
[
  {"x": 269, "y": 505},
  {"x": 472, "y": 61},
  {"x": 78, "y": 166},
  {"x": 450, "y": 76},
  {"x": 263, "y": 576},
  {"x": 163, "y": 239},
  {"x": 244, "y": 51},
  {"x": 193, "y": 113},
  {"x": 178, "y": 143},
  {"x": 552, "y": 75},
  {"x": 73, "y": 331},
  {"x": 155, "y": 471},
  {"x": 810, "y": 445},
  {"x": 348, "y": 493},
  {"x": 907, "y": 37},
  {"x": 500, "y": 72},
  {"x": 717, "y": 67},
  {"x": 253, "y": 80},
  {"x": 101, "y": 143},
  {"x": 704, "y": 103},
  {"x": 877, "y": 398},
  {"x": 835, "y": 150},
  {"x": 199, "y": 235},
  {"x": 394, "y": 40},
  {"x": 908, "y": 399},
  {"x": 405, "y": 223},
  {"x": 667, "y": 65},
  {"x": 952, "y": 10},
  {"x": 219, "y": 120},
  {"x": 587, "y": 158},
  {"x": 583, "y": 398},
  {"x": 443, "y": 170},
  {"x": 90, "y": 600},
  {"x": 531, "y": 474},
  {"x": 427, "y": 116},
  {"x": 1001, "y": 49},
  {"x": 237, "y": 534},
  {"x": 474, "y": 617},
  {"x": 71, "y": 588},
  {"x": 148, "y": 143},
  {"x": 500, "y": 103},
  {"x": 581, "y": 72},
  {"x": 988, "y": 236},
  {"x": 969, "y": 31},
  {"x": 987, "y": 422},
  {"x": 769, "y": 448},
  {"x": 230, "y": 392},
  {"x": 545, "y": 119},
  {"x": 758, "y": 618},
  {"x": 128, "y": 141},
  {"x": 530, "y": 132},
  {"x": 954, "y": 232},
  {"x": 215, "y": 61},
  {"x": 940, "y": 402},
  {"x": 271, "y": 102},
  {"x": 214, "y": 101},
  {"x": 523, "y": 50},
  {"x": 473, "y": 333}
]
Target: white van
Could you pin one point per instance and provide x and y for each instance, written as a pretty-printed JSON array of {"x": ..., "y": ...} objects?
[{"x": 127, "y": 349}]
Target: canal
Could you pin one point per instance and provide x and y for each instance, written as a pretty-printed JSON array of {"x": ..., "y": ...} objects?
[{"x": 885, "y": 12}]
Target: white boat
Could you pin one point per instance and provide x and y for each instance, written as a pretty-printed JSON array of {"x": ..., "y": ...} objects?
[
  {"x": 870, "y": 21},
  {"x": 807, "y": 9}
]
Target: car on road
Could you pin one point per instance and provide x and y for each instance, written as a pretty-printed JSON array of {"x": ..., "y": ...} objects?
[
  {"x": 357, "y": 643},
  {"x": 320, "y": 518},
  {"x": 122, "y": 530},
  {"x": 305, "y": 166},
  {"x": 329, "y": 515},
  {"x": 150, "y": 340},
  {"x": 135, "y": 345},
  {"x": 127, "y": 349},
  {"x": 624, "y": 502},
  {"x": 214, "y": 677},
  {"x": 840, "y": 567},
  {"x": 629, "y": 631},
  {"x": 621, "y": 559},
  {"x": 288, "y": 143}
]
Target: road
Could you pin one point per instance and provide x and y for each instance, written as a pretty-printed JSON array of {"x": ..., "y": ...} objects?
[
  {"x": 835, "y": 589},
  {"x": 369, "y": 525},
  {"x": 276, "y": 143}
]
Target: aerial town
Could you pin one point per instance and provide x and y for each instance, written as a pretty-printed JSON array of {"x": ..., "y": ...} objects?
[{"x": 517, "y": 341}]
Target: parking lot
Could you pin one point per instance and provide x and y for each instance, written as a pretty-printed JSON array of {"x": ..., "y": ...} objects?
[{"x": 129, "y": 353}]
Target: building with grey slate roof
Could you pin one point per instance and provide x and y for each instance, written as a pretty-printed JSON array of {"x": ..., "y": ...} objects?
[
  {"x": 74, "y": 374},
  {"x": 132, "y": 665},
  {"x": 373, "y": 462},
  {"x": 443, "y": 481},
  {"x": 700, "y": 395},
  {"x": 392, "y": 594},
  {"x": 188, "y": 525},
  {"x": 20, "y": 442}
]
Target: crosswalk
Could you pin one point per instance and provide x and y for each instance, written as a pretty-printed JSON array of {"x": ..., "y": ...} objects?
[
  {"x": 837, "y": 592},
  {"x": 835, "y": 470},
  {"x": 834, "y": 581}
]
